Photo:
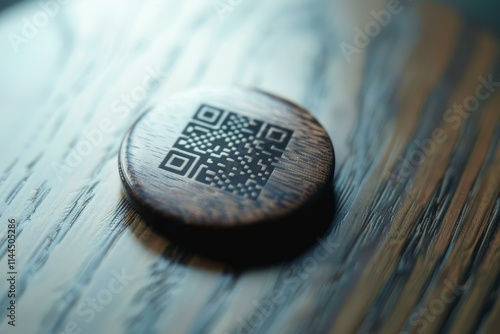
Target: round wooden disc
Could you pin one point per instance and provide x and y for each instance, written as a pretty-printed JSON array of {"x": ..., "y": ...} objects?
[{"x": 225, "y": 158}]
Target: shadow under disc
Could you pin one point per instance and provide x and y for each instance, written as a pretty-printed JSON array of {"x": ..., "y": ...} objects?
[{"x": 257, "y": 245}]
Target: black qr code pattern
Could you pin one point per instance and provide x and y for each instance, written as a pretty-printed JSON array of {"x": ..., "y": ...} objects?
[{"x": 228, "y": 151}]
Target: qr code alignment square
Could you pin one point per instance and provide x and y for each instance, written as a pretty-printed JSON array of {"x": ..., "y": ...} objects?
[{"x": 228, "y": 151}]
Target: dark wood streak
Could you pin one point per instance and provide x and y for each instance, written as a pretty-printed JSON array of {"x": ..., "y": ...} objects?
[{"x": 43, "y": 250}]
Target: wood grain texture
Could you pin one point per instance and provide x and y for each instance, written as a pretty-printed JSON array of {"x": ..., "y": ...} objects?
[{"x": 414, "y": 245}]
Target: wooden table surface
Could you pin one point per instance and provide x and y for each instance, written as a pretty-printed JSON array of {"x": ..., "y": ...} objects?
[{"x": 413, "y": 111}]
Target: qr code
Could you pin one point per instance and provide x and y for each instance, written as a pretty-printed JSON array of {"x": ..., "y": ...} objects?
[{"x": 228, "y": 151}]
